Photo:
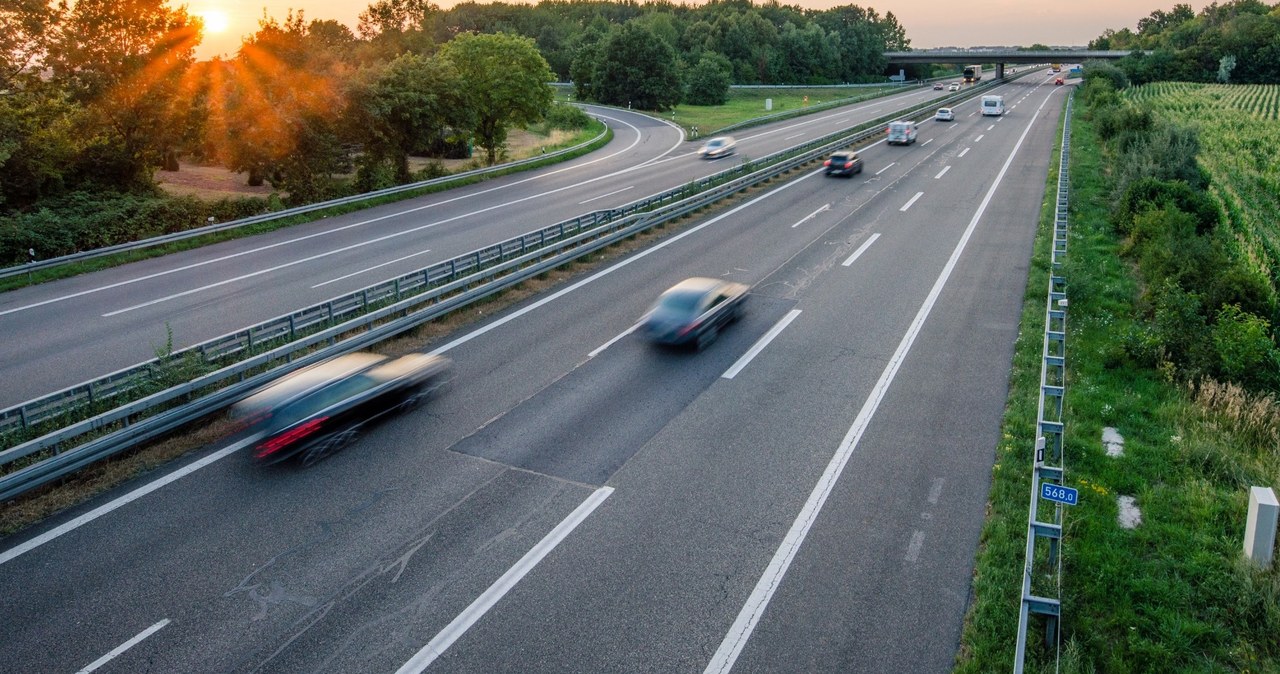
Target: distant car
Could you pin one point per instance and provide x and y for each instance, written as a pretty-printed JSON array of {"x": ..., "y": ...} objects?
[
  {"x": 845, "y": 163},
  {"x": 1057, "y": 81},
  {"x": 945, "y": 115},
  {"x": 954, "y": 86},
  {"x": 315, "y": 411},
  {"x": 937, "y": 86},
  {"x": 693, "y": 311},
  {"x": 720, "y": 146}
]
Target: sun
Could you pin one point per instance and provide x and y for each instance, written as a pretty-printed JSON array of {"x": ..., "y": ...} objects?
[{"x": 215, "y": 20}]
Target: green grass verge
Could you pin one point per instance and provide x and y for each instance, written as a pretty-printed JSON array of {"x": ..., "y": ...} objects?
[
  {"x": 1172, "y": 595},
  {"x": 105, "y": 262}
]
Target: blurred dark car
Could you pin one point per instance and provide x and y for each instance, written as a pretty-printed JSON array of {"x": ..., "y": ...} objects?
[
  {"x": 315, "y": 411},
  {"x": 843, "y": 163},
  {"x": 693, "y": 311}
]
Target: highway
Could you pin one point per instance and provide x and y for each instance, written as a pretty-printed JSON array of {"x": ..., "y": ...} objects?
[
  {"x": 804, "y": 495},
  {"x": 73, "y": 330}
]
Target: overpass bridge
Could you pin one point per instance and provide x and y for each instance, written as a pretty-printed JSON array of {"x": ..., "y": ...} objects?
[{"x": 1001, "y": 56}]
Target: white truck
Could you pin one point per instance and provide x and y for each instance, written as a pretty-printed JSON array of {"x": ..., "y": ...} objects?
[{"x": 992, "y": 105}]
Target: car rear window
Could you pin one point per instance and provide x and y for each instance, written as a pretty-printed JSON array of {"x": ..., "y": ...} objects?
[{"x": 680, "y": 303}]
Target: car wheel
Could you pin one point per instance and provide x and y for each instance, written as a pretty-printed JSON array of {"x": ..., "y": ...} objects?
[
  {"x": 329, "y": 445},
  {"x": 706, "y": 338}
]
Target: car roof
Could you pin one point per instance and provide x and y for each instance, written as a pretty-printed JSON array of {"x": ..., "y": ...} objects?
[
  {"x": 697, "y": 284},
  {"x": 841, "y": 153},
  {"x": 308, "y": 379}
]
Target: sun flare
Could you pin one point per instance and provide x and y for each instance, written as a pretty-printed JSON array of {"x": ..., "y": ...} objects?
[{"x": 215, "y": 21}]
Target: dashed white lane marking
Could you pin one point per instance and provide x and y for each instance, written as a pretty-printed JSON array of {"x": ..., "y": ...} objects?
[
  {"x": 600, "y": 349},
  {"x": 606, "y": 194},
  {"x": 886, "y": 167},
  {"x": 979, "y": 138},
  {"x": 369, "y": 269},
  {"x": 124, "y": 647},
  {"x": 760, "y": 344},
  {"x": 963, "y": 152},
  {"x": 910, "y": 201},
  {"x": 810, "y": 216},
  {"x": 915, "y": 546},
  {"x": 943, "y": 172},
  {"x": 861, "y": 249}
]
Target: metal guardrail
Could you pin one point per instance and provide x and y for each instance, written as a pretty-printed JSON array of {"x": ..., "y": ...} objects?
[
  {"x": 1047, "y": 465},
  {"x": 409, "y": 300},
  {"x": 29, "y": 267}
]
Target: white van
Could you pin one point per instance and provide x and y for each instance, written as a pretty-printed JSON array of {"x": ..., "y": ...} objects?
[
  {"x": 902, "y": 132},
  {"x": 992, "y": 105}
]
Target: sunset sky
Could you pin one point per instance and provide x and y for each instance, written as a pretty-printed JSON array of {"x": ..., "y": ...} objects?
[{"x": 929, "y": 23}]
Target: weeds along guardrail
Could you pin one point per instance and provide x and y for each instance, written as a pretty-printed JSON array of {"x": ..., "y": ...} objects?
[
  {"x": 56, "y": 434},
  {"x": 163, "y": 239},
  {"x": 1042, "y": 569}
]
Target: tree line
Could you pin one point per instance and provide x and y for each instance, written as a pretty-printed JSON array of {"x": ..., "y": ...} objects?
[{"x": 1233, "y": 42}]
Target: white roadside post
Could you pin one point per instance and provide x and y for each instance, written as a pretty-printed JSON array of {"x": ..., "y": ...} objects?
[{"x": 1260, "y": 528}]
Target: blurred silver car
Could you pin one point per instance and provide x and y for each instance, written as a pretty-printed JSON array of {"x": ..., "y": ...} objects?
[
  {"x": 720, "y": 146},
  {"x": 693, "y": 311}
]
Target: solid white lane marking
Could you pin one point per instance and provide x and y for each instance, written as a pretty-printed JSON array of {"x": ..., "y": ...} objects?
[
  {"x": 606, "y": 194},
  {"x": 223, "y": 258},
  {"x": 600, "y": 349},
  {"x": 134, "y": 495},
  {"x": 943, "y": 172},
  {"x": 736, "y": 638},
  {"x": 926, "y": 142},
  {"x": 886, "y": 167},
  {"x": 369, "y": 269},
  {"x": 963, "y": 152},
  {"x": 760, "y": 344},
  {"x": 124, "y": 647},
  {"x": 810, "y": 216},
  {"x": 861, "y": 249},
  {"x": 605, "y": 272},
  {"x": 915, "y": 546},
  {"x": 797, "y": 135},
  {"x": 910, "y": 201},
  {"x": 454, "y": 630},
  {"x": 980, "y": 137}
]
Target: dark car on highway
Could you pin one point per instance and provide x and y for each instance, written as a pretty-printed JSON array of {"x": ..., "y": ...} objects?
[
  {"x": 320, "y": 409},
  {"x": 843, "y": 164},
  {"x": 693, "y": 311}
]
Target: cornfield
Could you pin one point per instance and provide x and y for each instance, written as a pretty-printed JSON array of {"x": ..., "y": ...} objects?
[{"x": 1239, "y": 132}]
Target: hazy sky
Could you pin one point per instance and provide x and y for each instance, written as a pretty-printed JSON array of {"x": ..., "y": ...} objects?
[{"x": 929, "y": 23}]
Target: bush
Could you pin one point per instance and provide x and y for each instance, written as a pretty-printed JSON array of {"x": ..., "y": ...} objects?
[
  {"x": 1149, "y": 193},
  {"x": 1245, "y": 351},
  {"x": 567, "y": 117}
]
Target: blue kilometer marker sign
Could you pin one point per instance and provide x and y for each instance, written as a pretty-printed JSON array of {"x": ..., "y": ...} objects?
[{"x": 1059, "y": 493}]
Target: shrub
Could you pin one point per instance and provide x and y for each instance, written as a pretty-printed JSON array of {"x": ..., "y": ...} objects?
[
  {"x": 1245, "y": 351},
  {"x": 567, "y": 117},
  {"x": 1148, "y": 193}
]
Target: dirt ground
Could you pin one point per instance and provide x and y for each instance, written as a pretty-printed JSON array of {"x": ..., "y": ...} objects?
[{"x": 215, "y": 182}]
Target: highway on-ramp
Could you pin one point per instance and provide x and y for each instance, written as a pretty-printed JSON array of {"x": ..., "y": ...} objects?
[{"x": 803, "y": 495}]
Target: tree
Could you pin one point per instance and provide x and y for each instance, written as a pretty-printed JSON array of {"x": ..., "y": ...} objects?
[
  {"x": 282, "y": 111},
  {"x": 125, "y": 61},
  {"x": 394, "y": 27},
  {"x": 636, "y": 69},
  {"x": 24, "y": 26},
  {"x": 412, "y": 101},
  {"x": 504, "y": 82},
  {"x": 709, "y": 80}
]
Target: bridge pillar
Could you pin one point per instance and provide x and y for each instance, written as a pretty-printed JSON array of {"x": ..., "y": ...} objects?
[{"x": 999, "y": 71}]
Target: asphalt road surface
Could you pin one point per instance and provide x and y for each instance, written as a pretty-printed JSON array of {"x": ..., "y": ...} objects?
[{"x": 805, "y": 494}]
